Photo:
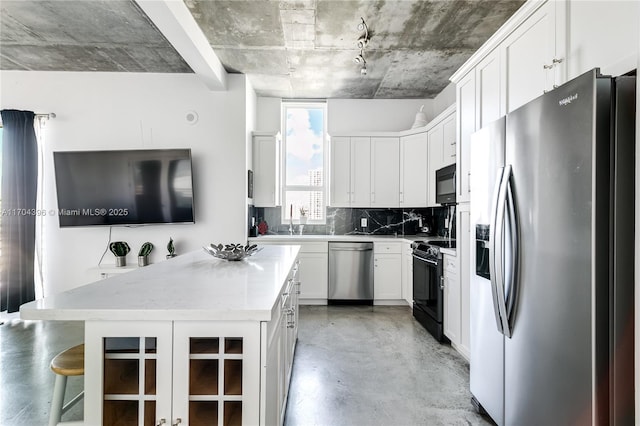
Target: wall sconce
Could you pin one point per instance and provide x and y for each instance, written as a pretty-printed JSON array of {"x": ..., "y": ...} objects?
[{"x": 362, "y": 43}]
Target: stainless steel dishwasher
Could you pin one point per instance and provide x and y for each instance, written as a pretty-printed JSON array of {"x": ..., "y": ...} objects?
[{"x": 350, "y": 273}]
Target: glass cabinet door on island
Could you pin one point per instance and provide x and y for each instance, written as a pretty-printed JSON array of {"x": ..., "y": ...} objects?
[{"x": 196, "y": 373}]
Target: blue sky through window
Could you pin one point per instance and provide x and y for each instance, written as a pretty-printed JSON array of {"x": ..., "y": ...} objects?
[{"x": 304, "y": 131}]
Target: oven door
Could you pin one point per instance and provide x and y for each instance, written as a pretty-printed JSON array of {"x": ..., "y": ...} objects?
[{"x": 427, "y": 291}]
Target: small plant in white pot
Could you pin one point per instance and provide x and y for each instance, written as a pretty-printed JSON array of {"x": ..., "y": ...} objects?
[
  {"x": 120, "y": 249},
  {"x": 143, "y": 254},
  {"x": 303, "y": 216}
]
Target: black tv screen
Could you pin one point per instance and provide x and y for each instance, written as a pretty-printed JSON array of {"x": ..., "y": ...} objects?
[{"x": 131, "y": 187}]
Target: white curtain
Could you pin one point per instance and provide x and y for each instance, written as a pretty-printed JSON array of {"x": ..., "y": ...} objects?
[{"x": 40, "y": 126}]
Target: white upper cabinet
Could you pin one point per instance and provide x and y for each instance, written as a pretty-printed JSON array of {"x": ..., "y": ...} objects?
[
  {"x": 266, "y": 169},
  {"x": 340, "y": 172},
  {"x": 602, "y": 34},
  {"x": 534, "y": 55},
  {"x": 385, "y": 172},
  {"x": 466, "y": 113},
  {"x": 350, "y": 171},
  {"x": 449, "y": 141},
  {"x": 488, "y": 90},
  {"x": 392, "y": 169},
  {"x": 413, "y": 173},
  {"x": 360, "y": 171},
  {"x": 436, "y": 155}
]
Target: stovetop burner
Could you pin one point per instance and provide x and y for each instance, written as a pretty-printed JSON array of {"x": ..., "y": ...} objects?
[{"x": 443, "y": 243}]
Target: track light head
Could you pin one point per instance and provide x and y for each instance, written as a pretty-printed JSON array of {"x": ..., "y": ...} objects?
[{"x": 362, "y": 42}]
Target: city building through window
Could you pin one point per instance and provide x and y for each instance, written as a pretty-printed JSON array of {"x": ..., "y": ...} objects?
[{"x": 304, "y": 139}]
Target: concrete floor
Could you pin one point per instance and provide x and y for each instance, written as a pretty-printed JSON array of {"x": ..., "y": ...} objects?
[
  {"x": 26, "y": 382},
  {"x": 353, "y": 366},
  {"x": 375, "y": 366}
]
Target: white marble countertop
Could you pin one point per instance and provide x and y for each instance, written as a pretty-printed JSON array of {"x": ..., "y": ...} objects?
[
  {"x": 381, "y": 238},
  {"x": 193, "y": 286}
]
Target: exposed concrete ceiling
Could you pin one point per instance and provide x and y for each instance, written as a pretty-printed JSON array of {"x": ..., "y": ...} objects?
[
  {"x": 82, "y": 36},
  {"x": 288, "y": 48}
]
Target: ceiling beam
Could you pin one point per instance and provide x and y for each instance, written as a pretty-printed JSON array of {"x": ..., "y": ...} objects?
[{"x": 175, "y": 22}]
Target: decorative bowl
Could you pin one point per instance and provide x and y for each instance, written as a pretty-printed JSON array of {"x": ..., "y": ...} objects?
[{"x": 231, "y": 251}]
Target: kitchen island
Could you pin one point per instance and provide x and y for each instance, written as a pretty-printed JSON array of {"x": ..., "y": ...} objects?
[{"x": 194, "y": 340}]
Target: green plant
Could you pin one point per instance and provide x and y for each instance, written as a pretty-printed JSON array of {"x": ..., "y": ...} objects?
[
  {"x": 303, "y": 211},
  {"x": 145, "y": 250},
  {"x": 170, "y": 247},
  {"x": 119, "y": 248}
]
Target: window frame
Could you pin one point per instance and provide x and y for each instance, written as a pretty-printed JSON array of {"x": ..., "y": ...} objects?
[{"x": 284, "y": 211}]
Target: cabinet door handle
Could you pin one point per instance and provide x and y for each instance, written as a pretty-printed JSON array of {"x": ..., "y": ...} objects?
[
  {"x": 178, "y": 421},
  {"x": 162, "y": 421},
  {"x": 556, "y": 61},
  {"x": 547, "y": 67},
  {"x": 469, "y": 182},
  {"x": 441, "y": 283}
]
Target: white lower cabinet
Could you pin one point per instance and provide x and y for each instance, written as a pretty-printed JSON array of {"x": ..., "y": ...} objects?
[
  {"x": 451, "y": 299},
  {"x": 191, "y": 372},
  {"x": 280, "y": 336},
  {"x": 407, "y": 273},
  {"x": 314, "y": 273},
  {"x": 182, "y": 372},
  {"x": 387, "y": 271},
  {"x": 464, "y": 260},
  {"x": 313, "y": 270}
]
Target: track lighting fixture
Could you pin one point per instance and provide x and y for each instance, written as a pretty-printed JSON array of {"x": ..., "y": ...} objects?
[{"x": 362, "y": 43}]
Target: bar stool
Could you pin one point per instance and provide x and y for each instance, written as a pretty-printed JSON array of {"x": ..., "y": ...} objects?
[{"x": 69, "y": 362}]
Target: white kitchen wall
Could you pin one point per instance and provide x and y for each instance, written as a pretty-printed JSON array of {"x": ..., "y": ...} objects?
[
  {"x": 269, "y": 116},
  {"x": 374, "y": 115},
  {"x": 602, "y": 34},
  {"x": 444, "y": 100},
  {"x": 128, "y": 110}
]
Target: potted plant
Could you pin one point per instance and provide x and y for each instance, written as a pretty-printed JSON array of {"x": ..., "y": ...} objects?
[
  {"x": 143, "y": 254},
  {"x": 303, "y": 216},
  {"x": 171, "y": 249},
  {"x": 120, "y": 249}
]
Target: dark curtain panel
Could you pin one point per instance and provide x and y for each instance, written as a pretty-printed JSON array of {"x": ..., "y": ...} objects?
[{"x": 17, "y": 227}]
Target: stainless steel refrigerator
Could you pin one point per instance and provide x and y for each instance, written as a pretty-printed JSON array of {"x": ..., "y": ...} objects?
[{"x": 552, "y": 208}]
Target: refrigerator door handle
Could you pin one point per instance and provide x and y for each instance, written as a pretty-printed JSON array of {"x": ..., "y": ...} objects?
[
  {"x": 499, "y": 252},
  {"x": 509, "y": 298},
  {"x": 492, "y": 248}
]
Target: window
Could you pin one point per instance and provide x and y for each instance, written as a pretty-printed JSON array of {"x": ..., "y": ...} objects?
[{"x": 304, "y": 161}]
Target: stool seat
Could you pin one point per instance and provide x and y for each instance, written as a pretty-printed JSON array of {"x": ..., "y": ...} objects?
[{"x": 69, "y": 362}]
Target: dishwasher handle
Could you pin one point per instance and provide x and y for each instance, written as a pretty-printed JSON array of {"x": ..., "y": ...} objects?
[{"x": 350, "y": 249}]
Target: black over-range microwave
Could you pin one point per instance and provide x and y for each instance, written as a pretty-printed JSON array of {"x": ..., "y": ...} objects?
[{"x": 446, "y": 185}]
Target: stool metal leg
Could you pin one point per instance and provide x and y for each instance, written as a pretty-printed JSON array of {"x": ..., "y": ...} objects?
[{"x": 57, "y": 400}]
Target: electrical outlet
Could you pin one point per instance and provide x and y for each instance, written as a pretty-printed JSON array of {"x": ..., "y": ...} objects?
[{"x": 363, "y": 222}]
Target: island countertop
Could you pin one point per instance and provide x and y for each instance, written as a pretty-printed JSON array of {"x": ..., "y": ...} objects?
[{"x": 193, "y": 286}]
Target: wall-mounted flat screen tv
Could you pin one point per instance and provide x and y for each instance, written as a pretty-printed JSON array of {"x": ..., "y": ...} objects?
[{"x": 129, "y": 187}]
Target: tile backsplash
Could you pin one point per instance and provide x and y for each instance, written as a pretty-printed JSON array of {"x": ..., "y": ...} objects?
[{"x": 348, "y": 221}]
